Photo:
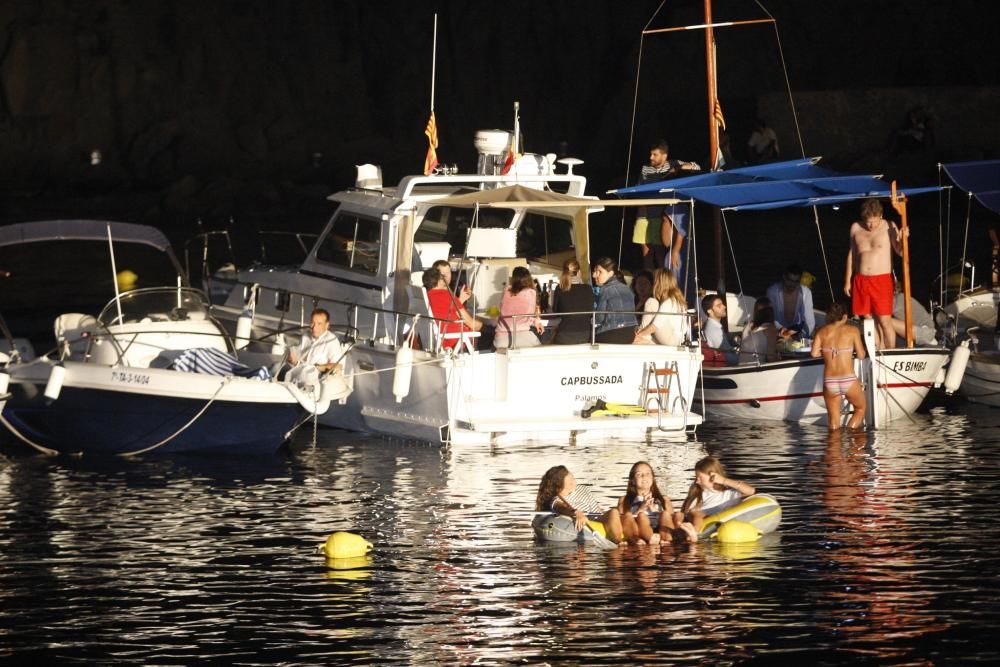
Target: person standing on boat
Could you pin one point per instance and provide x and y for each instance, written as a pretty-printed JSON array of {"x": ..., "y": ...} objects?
[
  {"x": 614, "y": 318},
  {"x": 716, "y": 346},
  {"x": 838, "y": 342},
  {"x": 763, "y": 143},
  {"x": 664, "y": 232},
  {"x": 320, "y": 351},
  {"x": 793, "y": 303},
  {"x": 868, "y": 277}
]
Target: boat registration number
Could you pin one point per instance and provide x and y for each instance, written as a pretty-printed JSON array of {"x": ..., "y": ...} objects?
[
  {"x": 909, "y": 365},
  {"x": 126, "y": 377}
]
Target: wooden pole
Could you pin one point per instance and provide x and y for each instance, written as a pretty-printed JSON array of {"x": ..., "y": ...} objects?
[
  {"x": 899, "y": 204},
  {"x": 713, "y": 128}
]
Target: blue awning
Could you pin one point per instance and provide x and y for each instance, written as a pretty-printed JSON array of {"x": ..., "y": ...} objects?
[
  {"x": 775, "y": 185},
  {"x": 981, "y": 179}
]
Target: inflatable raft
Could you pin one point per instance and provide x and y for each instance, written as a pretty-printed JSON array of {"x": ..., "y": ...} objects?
[
  {"x": 559, "y": 528},
  {"x": 761, "y": 511}
]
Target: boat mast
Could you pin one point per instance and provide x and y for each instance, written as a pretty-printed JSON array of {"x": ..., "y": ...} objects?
[
  {"x": 899, "y": 204},
  {"x": 713, "y": 127}
]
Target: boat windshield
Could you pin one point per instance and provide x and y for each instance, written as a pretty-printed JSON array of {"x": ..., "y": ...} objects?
[{"x": 156, "y": 304}]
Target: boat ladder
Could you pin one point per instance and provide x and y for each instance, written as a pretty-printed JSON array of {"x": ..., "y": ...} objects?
[{"x": 656, "y": 393}]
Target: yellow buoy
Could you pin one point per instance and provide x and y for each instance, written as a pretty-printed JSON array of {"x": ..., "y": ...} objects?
[
  {"x": 346, "y": 545},
  {"x": 734, "y": 532}
]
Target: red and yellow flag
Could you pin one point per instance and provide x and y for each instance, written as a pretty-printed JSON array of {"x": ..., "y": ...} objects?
[
  {"x": 718, "y": 115},
  {"x": 431, "y": 161}
]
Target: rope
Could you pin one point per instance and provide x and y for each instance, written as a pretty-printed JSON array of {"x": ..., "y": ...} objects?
[
  {"x": 182, "y": 428},
  {"x": 965, "y": 246},
  {"x": 41, "y": 448}
]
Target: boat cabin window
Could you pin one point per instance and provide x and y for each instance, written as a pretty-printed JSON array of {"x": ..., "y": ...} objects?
[
  {"x": 545, "y": 239},
  {"x": 352, "y": 243},
  {"x": 450, "y": 224}
]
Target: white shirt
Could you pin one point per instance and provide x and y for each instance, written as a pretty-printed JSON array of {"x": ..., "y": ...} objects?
[
  {"x": 715, "y": 336},
  {"x": 324, "y": 350},
  {"x": 713, "y": 502},
  {"x": 669, "y": 328},
  {"x": 804, "y": 313}
]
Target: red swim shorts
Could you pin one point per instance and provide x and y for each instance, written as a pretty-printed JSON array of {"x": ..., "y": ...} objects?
[{"x": 872, "y": 295}]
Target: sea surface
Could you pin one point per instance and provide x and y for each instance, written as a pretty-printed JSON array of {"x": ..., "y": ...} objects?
[{"x": 888, "y": 553}]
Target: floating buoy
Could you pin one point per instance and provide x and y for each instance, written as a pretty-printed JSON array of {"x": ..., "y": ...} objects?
[
  {"x": 956, "y": 368},
  {"x": 404, "y": 369},
  {"x": 244, "y": 326},
  {"x": 735, "y": 532},
  {"x": 54, "y": 386},
  {"x": 342, "y": 545}
]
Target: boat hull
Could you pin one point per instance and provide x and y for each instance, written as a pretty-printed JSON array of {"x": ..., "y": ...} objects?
[
  {"x": 981, "y": 382},
  {"x": 122, "y": 411},
  {"x": 792, "y": 390}
]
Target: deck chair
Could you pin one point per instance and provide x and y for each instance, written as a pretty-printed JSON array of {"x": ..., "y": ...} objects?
[{"x": 72, "y": 331}]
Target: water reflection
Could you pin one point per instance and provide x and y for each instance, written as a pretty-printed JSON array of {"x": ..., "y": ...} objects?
[
  {"x": 884, "y": 554},
  {"x": 868, "y": 493}
]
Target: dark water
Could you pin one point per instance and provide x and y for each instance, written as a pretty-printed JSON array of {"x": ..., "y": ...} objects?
[{"x": 888, "y": 553}]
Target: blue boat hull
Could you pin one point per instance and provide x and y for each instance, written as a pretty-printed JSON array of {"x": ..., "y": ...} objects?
[{"x": 100, "y": 422}]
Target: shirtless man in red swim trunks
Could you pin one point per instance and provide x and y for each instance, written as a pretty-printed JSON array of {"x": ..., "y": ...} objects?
[{"x": 868, "y": 279}]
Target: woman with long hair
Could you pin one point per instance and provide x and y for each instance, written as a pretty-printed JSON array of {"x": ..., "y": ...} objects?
[
  {"x": 838, "y": 342},
  {"x": 664, "y": 322},
  {"x": 520, "y": 313},
  {"x": 572, "y": 296},
  {"x": 760, "y": 335}
]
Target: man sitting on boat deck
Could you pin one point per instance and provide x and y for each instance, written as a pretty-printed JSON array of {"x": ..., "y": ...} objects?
[
  {"x": 320, "y": 351},
  {"x": 793, "y": 303},
  {"x": 716, "y": 346},
  {"x": 448, "y": 308}
]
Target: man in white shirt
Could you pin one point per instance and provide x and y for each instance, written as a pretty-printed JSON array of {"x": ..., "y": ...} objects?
[
  {"x": 319, "y": 352},
  {"x": 793, "y": 304}
]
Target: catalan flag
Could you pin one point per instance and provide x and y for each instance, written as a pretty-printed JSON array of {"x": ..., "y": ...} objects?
[
  {"x": 718, "y": 115},
  {"x": 431, "y": 161}
]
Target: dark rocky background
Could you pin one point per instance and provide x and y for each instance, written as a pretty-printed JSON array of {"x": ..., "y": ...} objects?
[{"x": 256, "y": 110}]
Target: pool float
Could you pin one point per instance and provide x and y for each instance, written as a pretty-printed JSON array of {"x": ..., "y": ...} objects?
[
  {"x": 754, "y": 516},
  {"x": 550, "y": 527}
]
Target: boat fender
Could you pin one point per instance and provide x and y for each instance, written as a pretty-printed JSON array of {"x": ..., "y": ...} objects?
[
  {"x": 279, "y": 346},
  {"x": 735, "y": 532},
  {"x": 244, "y": 326},
  {"x": 956, "y": 368},
  {"x": 404, "y": 369},
  {"x": 4, "y": 384},
  {"x": 54, "y": 386},
  {"x": 346, "y": 545}
]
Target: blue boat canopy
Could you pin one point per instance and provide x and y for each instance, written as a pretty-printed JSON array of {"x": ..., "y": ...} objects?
[
  {"x": 981, "y": 179},
  {"x": 775, "y": 185}
]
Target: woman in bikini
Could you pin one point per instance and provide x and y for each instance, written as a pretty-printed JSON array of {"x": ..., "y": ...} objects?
[{"x": 837, "y": 343}]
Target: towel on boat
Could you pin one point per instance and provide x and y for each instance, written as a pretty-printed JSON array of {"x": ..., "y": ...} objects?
[{"x": 210, "y": 361}]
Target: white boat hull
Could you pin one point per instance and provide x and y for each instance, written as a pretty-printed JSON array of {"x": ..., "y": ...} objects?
[
  {"x": 981, "y": 382},
  {"x": 792, "y": 390},
  {"x": 516, "y": 395}
]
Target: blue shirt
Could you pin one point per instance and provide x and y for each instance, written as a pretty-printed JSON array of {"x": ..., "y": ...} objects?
[{"x": 618, "y": 299}]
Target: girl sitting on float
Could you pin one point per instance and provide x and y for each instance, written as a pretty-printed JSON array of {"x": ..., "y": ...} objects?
[
  {"x": 559, "y": 493},
  {"x": 711, "y": 493},
  {"x": 647, "y": 515}
]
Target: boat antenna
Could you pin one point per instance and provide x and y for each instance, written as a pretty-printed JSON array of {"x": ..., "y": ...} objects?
[
  {"x": 114, "y": 276},
  {"x": 434, "y": 49}
]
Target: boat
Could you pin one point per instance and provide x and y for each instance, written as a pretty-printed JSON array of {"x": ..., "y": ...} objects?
[
  {"x": 365, "y": 269},
  {"x": 791, "y": 389},
  {"x": 152, "y": 372},
  {"x": 972, "y": 315}
]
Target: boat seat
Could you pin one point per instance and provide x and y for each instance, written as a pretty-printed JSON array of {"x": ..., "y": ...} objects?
[{"x": 72, "y": 331}]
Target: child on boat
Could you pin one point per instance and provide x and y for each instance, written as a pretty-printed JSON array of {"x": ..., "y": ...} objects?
[
  {"x": 559, "y": 493},
  {"x": 644, "y": 509},
  {"x": 710, "y": 493}
]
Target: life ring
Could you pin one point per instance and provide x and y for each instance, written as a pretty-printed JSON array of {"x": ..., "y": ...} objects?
[{"x": 762, "y": 511}]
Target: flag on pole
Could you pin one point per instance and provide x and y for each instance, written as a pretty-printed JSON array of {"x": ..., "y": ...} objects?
[
  {"x": 718, "y": 115},
  {"x": 431, "y": 161}
]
